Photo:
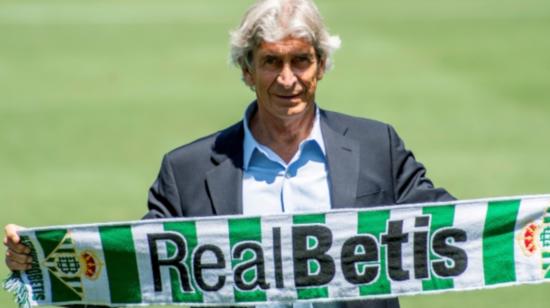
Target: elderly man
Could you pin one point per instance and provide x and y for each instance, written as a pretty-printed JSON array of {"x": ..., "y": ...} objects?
[{"x": 287, "y": 154}]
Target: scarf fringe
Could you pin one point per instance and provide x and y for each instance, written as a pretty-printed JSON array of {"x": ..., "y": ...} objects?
[{"x": 14, "y": 284}]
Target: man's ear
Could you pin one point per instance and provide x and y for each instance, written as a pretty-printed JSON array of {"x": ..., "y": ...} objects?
[
  {"x": 247, "y": 76},
  {"x": 321, "y": 68}
]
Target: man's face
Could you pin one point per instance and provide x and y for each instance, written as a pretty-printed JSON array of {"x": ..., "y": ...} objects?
[{"x": 285, "y": 76}]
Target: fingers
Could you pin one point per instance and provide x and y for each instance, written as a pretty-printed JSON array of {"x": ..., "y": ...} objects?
[
  {"x": 11, "y": 233},
  {"x": 15, "y": 266},
  {"x": 17, "y": 258},
  {"x": 13, "y": 241},
  {"x": 17, "y": 248}
]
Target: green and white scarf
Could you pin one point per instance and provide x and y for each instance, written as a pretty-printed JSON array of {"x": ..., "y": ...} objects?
[{"x": 328, "y": 256}]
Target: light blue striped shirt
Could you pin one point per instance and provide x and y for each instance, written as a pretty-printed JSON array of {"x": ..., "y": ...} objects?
[{"x": 272, "y": 186}]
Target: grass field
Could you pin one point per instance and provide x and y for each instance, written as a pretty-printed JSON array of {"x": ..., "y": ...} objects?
[{"x": 92, "y": 93}]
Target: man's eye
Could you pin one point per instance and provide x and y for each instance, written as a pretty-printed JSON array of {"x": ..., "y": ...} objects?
[
  {"x": 270, "y": 61},
  {"x": 302, "y": 62}
]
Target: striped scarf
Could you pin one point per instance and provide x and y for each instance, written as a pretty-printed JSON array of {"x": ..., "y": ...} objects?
[{"x": 308, "y": 257}]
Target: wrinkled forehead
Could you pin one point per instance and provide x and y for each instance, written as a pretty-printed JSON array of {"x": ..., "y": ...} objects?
[{"x": 288, "y": 46}]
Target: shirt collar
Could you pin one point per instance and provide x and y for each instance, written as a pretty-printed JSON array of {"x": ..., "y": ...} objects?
[{"x": 250, "y": 144}]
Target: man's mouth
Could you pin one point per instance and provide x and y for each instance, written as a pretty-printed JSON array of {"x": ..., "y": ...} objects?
[{"x": 288, "y": 96}]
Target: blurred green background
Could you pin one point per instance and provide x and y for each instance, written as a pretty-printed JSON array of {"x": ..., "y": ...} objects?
[{"x": 92, "y": 93}]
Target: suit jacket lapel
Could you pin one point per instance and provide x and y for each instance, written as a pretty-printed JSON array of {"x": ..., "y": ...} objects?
[
  {"x": 224, "y": 181},
  {"x": 343, "y": 163}
]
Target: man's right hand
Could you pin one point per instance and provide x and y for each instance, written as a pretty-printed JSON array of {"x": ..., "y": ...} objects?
[{"x": 17, "y": 254}]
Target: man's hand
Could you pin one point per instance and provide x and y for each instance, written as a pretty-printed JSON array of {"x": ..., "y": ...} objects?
[{"x": 17, "y": 254}]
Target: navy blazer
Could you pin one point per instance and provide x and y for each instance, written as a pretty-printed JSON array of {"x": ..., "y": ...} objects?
[{"x": 368, "y": 165}]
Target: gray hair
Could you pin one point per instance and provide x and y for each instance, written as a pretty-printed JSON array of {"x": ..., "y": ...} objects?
[{"x": 273, "y": 20}]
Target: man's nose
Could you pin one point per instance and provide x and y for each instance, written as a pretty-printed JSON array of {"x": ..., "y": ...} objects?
[{"x": 286, "y": 77}]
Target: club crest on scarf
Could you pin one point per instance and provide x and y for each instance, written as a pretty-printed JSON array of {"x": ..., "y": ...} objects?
[
  {"x": 70, "y": 266},
  {"x": 534, "y": 239}
]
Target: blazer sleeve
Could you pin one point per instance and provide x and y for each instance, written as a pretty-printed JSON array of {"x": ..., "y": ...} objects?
[
  {"x": 410, "y": 184},
  {"x": 163, "y": 200}
]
